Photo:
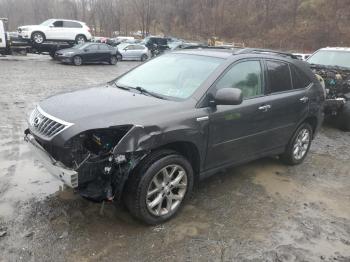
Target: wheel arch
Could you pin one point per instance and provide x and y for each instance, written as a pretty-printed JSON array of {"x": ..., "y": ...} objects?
[
  {"x": 187, "y": 149},
  {"x": 184, "y": 148},
  {"x": 37, "y": 31},
  {"x": 312, "y": 120},
  {"x": 80, "y": 35}
]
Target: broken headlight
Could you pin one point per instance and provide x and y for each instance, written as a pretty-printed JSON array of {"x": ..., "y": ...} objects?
[{"x": 94, "y": 145}]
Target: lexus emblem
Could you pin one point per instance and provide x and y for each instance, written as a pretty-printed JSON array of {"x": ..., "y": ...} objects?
[{"x": 37, "y": 121}]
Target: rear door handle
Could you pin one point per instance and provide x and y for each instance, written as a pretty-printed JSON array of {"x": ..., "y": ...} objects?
[
  {"x": 265, "y": 108},
  {"x": 304, "y": 99}
]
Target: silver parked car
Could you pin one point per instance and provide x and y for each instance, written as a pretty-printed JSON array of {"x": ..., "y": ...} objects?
[{"x": 129, "y": 51}]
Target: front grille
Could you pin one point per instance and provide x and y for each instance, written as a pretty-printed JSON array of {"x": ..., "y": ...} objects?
[{"x": 44, "y": 125}]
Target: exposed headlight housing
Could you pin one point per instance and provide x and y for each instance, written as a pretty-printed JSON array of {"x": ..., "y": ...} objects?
[{"x": 68, "y": 53}]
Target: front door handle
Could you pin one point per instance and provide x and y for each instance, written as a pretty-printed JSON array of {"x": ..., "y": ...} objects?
[
  {"x": 265, "y": 108},
  {"x": 304, "y": 99},
  {"x": 203, "y": 118}
]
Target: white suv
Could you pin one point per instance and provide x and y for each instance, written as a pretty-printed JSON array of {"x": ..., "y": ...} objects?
[{"x": 56, "y": 29}]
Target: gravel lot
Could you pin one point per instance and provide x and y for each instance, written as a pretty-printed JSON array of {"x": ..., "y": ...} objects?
[{"x": 262, "y": 211}]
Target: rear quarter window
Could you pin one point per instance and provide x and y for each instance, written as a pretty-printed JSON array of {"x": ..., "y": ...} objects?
[
  {"x": 71, "y": 24},
  {"x": 279, "y": 77},
  {"x": 299, "y": 78}
]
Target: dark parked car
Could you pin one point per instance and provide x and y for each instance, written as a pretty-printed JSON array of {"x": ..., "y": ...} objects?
[
  {"x": 148, "y": 136},
  {"x": 156, "y": 45},
  {"x": 88, "y": 53}
]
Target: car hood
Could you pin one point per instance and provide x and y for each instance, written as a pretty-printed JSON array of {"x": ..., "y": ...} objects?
[
  {"x": 32, "y": 27},
  {"x": 106, "y": 106},
  {"x": 330, "y": 67}
]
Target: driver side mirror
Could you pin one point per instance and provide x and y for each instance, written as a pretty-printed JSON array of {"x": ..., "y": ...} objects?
[{"x": 228, "y": 96}]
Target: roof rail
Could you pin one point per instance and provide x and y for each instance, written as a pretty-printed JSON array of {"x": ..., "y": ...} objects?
[{"x": 266, "y": 51}]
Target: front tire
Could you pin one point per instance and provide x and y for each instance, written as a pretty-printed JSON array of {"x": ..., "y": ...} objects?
[
  {"x": 159, "y": 186},
  {"x": 119, "y": 57},
  {"x": 77, "y": 60},
  {"x": 38, "y": 38},
  {"x": 144, "y": 57},
  {"x": 298, "y": 146}
]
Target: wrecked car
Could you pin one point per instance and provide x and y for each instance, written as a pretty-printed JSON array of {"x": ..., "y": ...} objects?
[
  {"x": 147, "y": 137},
  {"x": 332, "y": 67}
]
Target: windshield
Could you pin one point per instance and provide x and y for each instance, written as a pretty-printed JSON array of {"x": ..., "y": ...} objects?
[
  {"x": 171, "y": 75},
  {"x": 331, "y": 58},
  {"x": 47, "y": 22}
]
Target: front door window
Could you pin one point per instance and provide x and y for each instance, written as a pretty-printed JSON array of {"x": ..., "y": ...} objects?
[{"x": 246, "y": 76}]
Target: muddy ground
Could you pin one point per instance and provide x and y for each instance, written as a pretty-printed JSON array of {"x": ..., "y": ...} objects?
[{"x": 262, "y": 211}]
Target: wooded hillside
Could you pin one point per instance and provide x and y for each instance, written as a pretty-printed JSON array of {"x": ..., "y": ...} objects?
[{"x": 283, "y": 24}]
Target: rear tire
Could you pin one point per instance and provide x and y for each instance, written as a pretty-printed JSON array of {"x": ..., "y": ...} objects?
[
  {"x": 77, "y": 60},
  {"x": 113, "y": 60},
  {"x": 298, "y": 146},
  {"x": 343, "y": 120},
  {"x": 154, "y": 175},
  {"x": 80, "y": 39},
  {"x": 38, "y": 38}
]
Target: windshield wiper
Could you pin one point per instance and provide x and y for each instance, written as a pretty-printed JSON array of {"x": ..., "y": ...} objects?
[
  {"x": 138, "y": 88},
  {"x": 121, "y": 87},
  {"x": 146, "y": 92}
]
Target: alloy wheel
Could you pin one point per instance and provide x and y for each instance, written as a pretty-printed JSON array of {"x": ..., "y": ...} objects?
[
  {"x": 144, "y": 58},
  {"x": 80, "y": 39},
  {"x": 38, "y": 38},
  {"x": 113, "y": 60},
  {"x": 301, "y": 144},
  {"x": 166, "y": 190},
  {"x": 77, "y": 60}
]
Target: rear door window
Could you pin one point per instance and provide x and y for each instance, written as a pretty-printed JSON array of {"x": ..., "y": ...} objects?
[
  {"x": 130, "y": 47},
  {"x": 279, "y": 77},
  {"x": 93, "y": 47},
  {"x": 138, "y": 47},
  {"x": 103, "y": 47},
  {"x": 299, "y": 78}
]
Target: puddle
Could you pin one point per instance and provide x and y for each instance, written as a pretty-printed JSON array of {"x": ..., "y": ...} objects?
[
  {"x": 326, "y": 195},
  {"x": 22, "y": 179}
]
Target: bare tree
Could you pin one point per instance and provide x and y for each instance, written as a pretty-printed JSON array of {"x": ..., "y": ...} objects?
[{"x": 288, "y": 24}]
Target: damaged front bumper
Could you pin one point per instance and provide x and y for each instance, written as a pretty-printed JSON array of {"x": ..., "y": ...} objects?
[{"x": 68, "y": 176}]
